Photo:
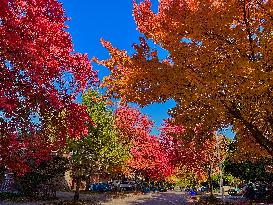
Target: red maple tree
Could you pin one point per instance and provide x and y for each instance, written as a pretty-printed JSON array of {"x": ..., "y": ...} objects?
[
  {"x": 148, "y": 156},
  {"x": 199, "y": 158},
  {"x": 40, "y": 77}
]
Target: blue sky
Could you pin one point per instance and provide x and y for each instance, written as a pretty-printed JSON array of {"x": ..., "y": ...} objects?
[{"x": 113, "y": 21}]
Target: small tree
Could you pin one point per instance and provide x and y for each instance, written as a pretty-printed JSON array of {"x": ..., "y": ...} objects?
[
  {"x": 249, "y": 170},
  {"x": 100, "y": 151},
  {"x": 201, "y": 158},
  {"x": 147, "y": 155}
]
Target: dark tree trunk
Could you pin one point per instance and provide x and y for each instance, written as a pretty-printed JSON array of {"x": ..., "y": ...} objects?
[
  {"x": 210, "y": 181},
  {"x": 77, "y": 191},
  {"x": 136, "y": 188},
  {"x": 87, "y": 183}
]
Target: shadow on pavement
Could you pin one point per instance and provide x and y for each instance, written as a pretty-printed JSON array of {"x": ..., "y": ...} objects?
[{"x": 166, "y": 198}]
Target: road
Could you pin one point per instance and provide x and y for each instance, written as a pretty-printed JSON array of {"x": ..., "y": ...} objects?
[{"x": 162, "y": 198}]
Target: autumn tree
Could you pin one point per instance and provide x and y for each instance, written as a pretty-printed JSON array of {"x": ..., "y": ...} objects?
[
  {"x": 149, "y": 158},
  {"x": 218, "y": 69},
  {"x": 40, "y": 77},
  {"x": 247, "y": 149},
  {"x": 100, "y": 152},
  {"x": 186, "y": 178},
  {"x": 147, "y": 155},
  {"x": 194, "y": 158}
]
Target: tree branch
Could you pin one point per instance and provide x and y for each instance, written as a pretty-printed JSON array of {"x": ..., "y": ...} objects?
[{"x": 256, "y": 133}]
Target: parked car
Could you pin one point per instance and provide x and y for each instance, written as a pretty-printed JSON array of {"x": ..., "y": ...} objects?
[
  {"x": 203, "y": 189},
  {"x": 154, "y": 188},
  {"x": 234, "y": 191},
  {"x": 171, "y": 187},
  {"x": 162, "y": 189},
  {"x": 126, "y": 186},
  {"x": 258, "y": 190},
  {"x": 188, "y": 189},
  {"x": 100, "y": 187}
]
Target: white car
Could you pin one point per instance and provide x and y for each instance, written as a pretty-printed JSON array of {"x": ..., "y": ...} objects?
[{"x": 126, "y": 185}]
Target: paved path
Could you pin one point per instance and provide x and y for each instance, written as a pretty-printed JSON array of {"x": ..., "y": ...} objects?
[{"x": 162, "y": 198}]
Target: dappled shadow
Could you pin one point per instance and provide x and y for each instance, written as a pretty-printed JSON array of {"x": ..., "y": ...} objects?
[
  {"x": 66, "y": 198},
  {"x": 86, "y": 196},
  {"x": 165, "y": 198},
  {"x": 162, "y": 199}
]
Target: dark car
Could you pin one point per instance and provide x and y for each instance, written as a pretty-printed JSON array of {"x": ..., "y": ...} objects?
[
  {"x": 100, "y": 187},
  {"x": 256, "y": 190}
]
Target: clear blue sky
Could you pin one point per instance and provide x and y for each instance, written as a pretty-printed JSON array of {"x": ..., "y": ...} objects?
[{"x": 113, "y": 21}]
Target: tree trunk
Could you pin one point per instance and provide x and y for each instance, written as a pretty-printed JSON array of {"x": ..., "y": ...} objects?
[
  {"x": 210, "y": 181},
  {"x": 136, "y": 188},
  {"x": 77, "y": 191},
  {"x": 87, "y": 181}
]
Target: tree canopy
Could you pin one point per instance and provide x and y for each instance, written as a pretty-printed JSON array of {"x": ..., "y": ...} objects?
[
  {"x": 148, "y": 156},
  {"x": 193, "y": 156},
  {"x": 101, "y": 151},
  {"x": 218, "y": 69},
  {"x": 40, "y": 77}
]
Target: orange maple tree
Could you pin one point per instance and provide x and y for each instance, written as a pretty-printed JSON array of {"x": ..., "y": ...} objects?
[
  {"x": 247, "y": 149},
  {"x": 218, "y": 68}
]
